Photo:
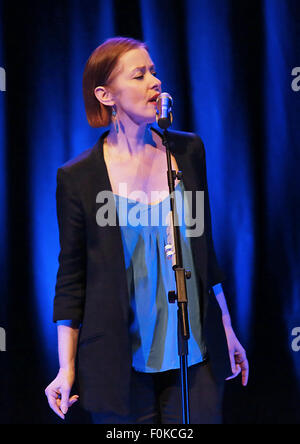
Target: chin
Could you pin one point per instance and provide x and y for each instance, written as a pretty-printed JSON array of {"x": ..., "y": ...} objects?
[
  {"x": 151, "y": 118},
  {"x": 145, "y": 118}
]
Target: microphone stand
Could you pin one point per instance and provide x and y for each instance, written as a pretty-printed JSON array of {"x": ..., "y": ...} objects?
[{"x": 181, "y": 294}]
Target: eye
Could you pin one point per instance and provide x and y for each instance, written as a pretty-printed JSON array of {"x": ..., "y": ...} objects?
[
  {"x": 154, "y": 73},
  {"x": 140, "y": 77}
]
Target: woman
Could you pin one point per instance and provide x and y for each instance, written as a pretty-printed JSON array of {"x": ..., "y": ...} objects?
[{"x": 113, "y": 278}]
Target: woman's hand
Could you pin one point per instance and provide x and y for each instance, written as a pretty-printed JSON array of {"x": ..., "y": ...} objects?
[
  {"x": 237, "y": 354},
  {"x": 58, "y": 392}
]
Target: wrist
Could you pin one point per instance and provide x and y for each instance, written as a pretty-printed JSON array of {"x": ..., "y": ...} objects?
[{"x": 67, "y": 367}]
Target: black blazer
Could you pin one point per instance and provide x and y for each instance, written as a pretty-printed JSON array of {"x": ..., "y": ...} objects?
[{"x": 91, "y": 285}]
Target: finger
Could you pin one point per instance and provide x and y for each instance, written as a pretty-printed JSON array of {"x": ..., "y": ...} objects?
[
  {"x": 245, "y": 372},
  {"x": 64, "y": 404},
  {"x": 235, "y": 374},
  {"x": 232, "y": 362},
  {"x": 73, "y": 399},
  {"x": 240, "y": 357},
  {"x": 52, "y": 393},
  {"x": 53, "y": 401},
  {"x": 241, "y": 360}
]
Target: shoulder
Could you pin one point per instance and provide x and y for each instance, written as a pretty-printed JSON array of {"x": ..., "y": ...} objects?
[
  {"x": 80, "y": 162},
  {"x": 184, "y": 136},
  {"x": 84, "y": 164},
  {"x": 190, "y": 141},
  {"x": 182, "y": 142}
]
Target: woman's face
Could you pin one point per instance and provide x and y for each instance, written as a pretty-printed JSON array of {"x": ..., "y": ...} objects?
[{"x": 135, "y": 87}]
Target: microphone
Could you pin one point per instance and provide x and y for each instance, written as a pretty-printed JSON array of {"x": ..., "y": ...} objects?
[{"x": 164, "y": 103}]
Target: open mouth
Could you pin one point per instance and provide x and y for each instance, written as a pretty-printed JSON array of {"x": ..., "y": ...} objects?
[{"x": 154, "y": 98}]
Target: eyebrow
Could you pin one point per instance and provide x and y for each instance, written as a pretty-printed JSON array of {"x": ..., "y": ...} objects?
[{"x": 142, "y": 68}]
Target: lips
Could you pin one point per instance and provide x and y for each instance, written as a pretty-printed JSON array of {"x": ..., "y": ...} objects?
[{"x": 153, "y": 99}]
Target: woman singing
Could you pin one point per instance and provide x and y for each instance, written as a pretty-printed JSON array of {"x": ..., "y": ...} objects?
[{"x": 117, "y": 332}]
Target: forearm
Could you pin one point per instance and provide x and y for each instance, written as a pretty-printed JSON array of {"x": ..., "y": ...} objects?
[
  {"x": 219, "y": 294},
  {"x": 237, "y": 354},
  {"x": 67, "y": 346}
]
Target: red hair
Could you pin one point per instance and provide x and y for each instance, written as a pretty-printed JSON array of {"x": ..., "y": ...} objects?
[{"x": 97, "y": 72}]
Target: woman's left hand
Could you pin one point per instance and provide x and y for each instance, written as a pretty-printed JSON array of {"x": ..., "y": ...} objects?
[{"x": 237, "y": 354}]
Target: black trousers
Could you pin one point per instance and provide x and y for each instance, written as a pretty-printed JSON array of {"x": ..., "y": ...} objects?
[{"x": 156, "y": 398}]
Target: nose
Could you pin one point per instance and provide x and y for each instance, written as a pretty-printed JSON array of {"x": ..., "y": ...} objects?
[{"x": 156, "y": 83}]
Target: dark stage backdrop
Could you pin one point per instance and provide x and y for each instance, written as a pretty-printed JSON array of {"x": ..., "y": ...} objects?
[{"x": 230, "y": 66}]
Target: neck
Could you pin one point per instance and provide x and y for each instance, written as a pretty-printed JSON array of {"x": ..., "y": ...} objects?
[{"x": 131, "y": 138}]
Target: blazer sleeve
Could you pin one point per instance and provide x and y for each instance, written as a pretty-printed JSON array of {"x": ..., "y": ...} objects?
[
  {"x": 215, "y": 273},
  {"x": 71, "y": 276}
]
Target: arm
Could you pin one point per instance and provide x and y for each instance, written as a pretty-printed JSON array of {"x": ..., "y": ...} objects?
[
  {"x": 71, "y": 279},
  {"x": 59, "y": 390},
  {"x": 219, "y": 294},
  {"x": 237, "y": 354},
  {"x": 69, "y": 290},
  {"x": 67, "y": 346}
]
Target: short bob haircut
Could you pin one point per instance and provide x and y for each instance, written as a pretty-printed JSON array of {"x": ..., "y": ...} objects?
[{"x": 98, "y": 69}]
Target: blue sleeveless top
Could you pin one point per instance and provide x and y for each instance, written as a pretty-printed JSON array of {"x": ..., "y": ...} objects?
[{"x": 153, "y": 327}]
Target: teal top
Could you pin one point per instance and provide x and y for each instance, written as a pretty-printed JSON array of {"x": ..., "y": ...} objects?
[{"x": 150, "y": 276}]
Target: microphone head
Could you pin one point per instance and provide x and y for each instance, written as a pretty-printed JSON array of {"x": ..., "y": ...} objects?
[
  {"x": 164, "y": 103},
  {"x": 164, "y": 97}
]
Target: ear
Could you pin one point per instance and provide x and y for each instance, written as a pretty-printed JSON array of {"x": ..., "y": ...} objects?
[{"x": 104, "y": 96}]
